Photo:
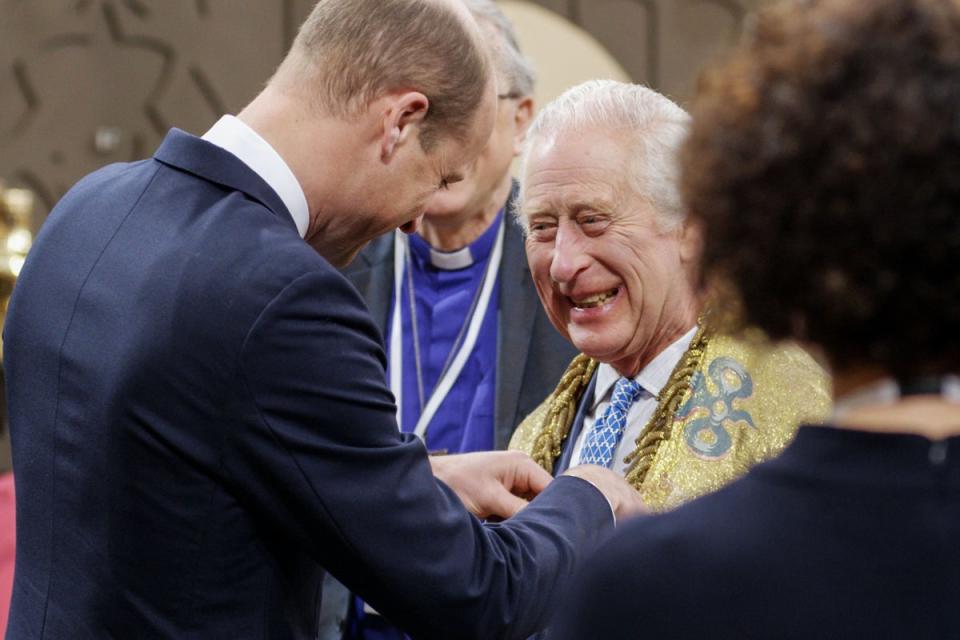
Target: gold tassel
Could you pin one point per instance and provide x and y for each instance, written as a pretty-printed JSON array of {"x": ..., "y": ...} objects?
[
  {"x": 562, "y": 410},
  {"x": 562, "y": 404},
  {"x": 669, "y": 401}
]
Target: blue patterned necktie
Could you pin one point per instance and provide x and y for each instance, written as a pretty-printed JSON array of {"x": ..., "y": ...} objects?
[{"x": 607, "y": 431}]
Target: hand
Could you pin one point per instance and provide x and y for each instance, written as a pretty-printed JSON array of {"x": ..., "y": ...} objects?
[
  {"x": 492, "y": 483},
  {"x": 624, "y": 499}
]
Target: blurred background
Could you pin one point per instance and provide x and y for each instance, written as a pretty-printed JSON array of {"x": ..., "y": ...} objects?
[{"x": 87, "y": 82}]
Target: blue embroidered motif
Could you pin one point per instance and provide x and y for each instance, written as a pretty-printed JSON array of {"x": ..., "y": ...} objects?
[{"x": 707, "y": 433}]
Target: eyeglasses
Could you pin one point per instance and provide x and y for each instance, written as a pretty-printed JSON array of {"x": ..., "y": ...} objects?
[{"x": 511, "y": 95}]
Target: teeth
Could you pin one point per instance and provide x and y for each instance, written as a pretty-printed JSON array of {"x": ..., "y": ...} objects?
[{"x": 594, "y": 301}]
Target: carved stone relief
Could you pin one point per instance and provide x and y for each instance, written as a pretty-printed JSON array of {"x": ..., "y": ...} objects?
[
  {"x": 87, "y": 82},
  {"x": 84, "y": 83}
]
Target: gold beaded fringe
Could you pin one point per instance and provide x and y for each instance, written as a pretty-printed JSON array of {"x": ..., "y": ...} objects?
[
  {"x": 669, "y": 400},
  {"x": 563, "y": 403},
  {"x": 562, "y": 410}
]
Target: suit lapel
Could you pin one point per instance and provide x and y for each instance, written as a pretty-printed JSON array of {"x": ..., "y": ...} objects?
[
  {"x": 563, "y": 462},
  {"x": 372, "y": 275},
  {"x": 518, "y": 306}
]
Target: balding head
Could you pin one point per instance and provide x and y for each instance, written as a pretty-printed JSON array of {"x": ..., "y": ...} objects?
[{"x": 348, "y": 53}]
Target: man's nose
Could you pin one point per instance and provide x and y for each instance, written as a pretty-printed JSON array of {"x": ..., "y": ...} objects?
[{"x": 569, "y": 256}]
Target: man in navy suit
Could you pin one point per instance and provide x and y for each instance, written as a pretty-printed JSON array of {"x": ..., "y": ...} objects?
[
  {"x": 517, "y": 356},
  {"x": 200, "y": 418}
]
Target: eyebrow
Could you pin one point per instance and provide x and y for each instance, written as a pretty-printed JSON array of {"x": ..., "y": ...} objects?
[
  {"x": 603, "y": 204},
  {"x": 573, "y": 206},
  {"x": 536, "y": 211}
]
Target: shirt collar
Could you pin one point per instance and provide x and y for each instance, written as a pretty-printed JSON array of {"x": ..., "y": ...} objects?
[
  {"x": 652, "y": 378},
  {"x": 887, "y": 391},
  {"x": 235, "y": 136}
]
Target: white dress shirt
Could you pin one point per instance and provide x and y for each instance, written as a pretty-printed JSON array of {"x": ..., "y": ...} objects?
[
  {"x": 652, "y": 378},
  {"x": 235, "y": 136}
]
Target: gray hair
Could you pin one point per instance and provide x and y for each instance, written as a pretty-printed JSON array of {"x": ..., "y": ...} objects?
[
  {"x": 656, "y": 128},
  {"x": 517, "y": 69}
]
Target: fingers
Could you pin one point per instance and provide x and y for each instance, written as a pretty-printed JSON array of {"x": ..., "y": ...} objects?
[
  {"x": 531, "y": 479},
  {"x": 623, "y": 498},
  {"x": 525, "y": 477},
  {"x": 502, "y": 504},
  {"x": 492, "y": 483},
  {"x": 521, "y": 479}
]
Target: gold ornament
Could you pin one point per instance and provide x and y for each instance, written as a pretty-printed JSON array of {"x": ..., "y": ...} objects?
[
  {"x": 730, "y": 403},
  {"x": 16, "y": 238}
]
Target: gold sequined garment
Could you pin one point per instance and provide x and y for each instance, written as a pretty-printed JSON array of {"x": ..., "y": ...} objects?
[{"x": 730, "y": 403}]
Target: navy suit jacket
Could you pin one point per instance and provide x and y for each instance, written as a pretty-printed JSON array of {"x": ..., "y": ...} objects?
[
  {"x": 201, "y": 421},
  {"x": 531, "y": 355}
]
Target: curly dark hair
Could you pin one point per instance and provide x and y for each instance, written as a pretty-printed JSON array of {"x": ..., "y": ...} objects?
[{"x": 824, "y": 161}]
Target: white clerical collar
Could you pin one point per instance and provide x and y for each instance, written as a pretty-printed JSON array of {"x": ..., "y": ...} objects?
[
  {"x": 477, "y": 251},
  {"x": 653, "y": 377},
  {"x": 451, "y": 260},
  {"x": 235, "y": 136}
]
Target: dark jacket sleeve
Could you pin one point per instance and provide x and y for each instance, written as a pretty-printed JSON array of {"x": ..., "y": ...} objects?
[{"x": 319, "y": 455}]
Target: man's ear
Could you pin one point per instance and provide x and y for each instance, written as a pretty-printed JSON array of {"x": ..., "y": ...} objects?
[
  {"x": 691, "y": 240},
  {"x": 402, "y": 121},
  {"x": 521, "y": 122}
]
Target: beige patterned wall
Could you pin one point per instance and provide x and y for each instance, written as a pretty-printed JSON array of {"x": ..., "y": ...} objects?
[
  {"x": 661, "y": 43},
  {"x": 87, "y": 82}
]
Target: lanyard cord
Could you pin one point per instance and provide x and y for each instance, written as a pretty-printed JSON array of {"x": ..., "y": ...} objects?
[
  {"x": 458, "y": 355},
  {"x": 457, "y": 342},
  {"x": 413, "y": 321}
]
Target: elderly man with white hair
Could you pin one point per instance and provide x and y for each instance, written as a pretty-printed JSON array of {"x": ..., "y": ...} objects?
[{"x": 659, "y": 392}]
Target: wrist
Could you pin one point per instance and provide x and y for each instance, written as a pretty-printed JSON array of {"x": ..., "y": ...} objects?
[{"x": 581, "y": 478}]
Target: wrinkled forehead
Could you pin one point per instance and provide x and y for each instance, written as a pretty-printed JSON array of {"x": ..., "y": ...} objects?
[{"x": 568, "y": 169}]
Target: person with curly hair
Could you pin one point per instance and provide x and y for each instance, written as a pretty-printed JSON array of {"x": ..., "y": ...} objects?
[{"x": 824, "y": 163}]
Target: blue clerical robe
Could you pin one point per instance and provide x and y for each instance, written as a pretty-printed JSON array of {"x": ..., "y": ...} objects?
[{"x": 464, "y": 421}]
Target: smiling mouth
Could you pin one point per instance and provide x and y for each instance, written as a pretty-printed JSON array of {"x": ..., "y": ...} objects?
[{"x": 595, "y": 300}]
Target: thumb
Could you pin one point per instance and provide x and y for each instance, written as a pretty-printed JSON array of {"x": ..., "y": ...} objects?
[{"x": 530, "y": 479}]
